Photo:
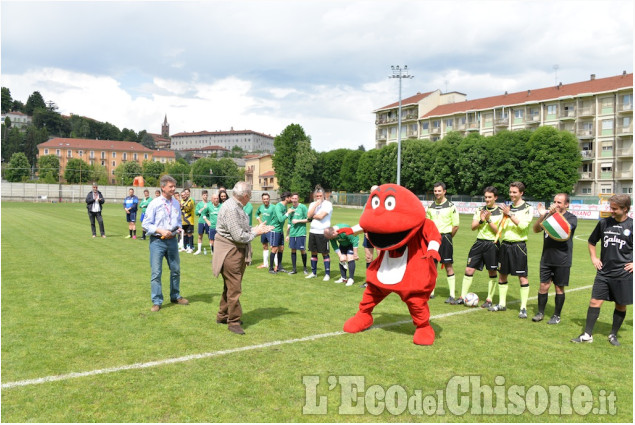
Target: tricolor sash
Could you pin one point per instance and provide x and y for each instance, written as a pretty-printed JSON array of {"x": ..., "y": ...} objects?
[{"x": 557, "y": 227}]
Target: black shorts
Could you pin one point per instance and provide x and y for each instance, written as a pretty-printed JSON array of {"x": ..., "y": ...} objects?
[
  {"x": 367, "y": 244},
  {"x": 558, "y": 275},
  {"x": 203, "y": 229},
  {"x": 620, "y": 291},
  {"x": 483, "y": 253},
  {"x": 188, "y": 229},
  {"x": 318, "y": 243},
  {"x": 297, "y": 242},
  {"x": 512, "y": 259},
  {"x": 265, "y": 238},
  {"x": 131, "y": 217},
  {"x": 446, "y": 250}
]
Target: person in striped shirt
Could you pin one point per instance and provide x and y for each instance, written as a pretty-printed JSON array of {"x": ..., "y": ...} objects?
[{"x": 555, "y": 263}]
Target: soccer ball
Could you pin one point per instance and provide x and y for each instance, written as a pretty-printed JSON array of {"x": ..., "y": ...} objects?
[{"x": 471, "y": 300}]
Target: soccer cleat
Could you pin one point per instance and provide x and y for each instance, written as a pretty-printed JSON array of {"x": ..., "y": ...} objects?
[
  {"x": 460, "y": 301},
  {"x": 189, "y": 251},
  {"x": 293, "y": 272},
  {"x": 306, "y": 271},
  {"x": 450, "y": 300},
  {"x": 341, "y": 280},
  {"x": 134, "y": 236},
  {"x": 282, "y": 270},
  {"x": 198, "y": 252},
  {"x": 555, "y": 319},
  {"x": 486, "y": 304},
  {"x": 128, "y": 237},
  {"x": 585, "y": 337},
  {"x": 613, "y": 340},
  {"x": 272, "y": 271},
  {"x": 538, "y": 317},
  {"x": 94, "y": 236},
  {"x": 363, "y": 285},
  {"x": 181, "y": 249},
  {"x": 311, "y": 276},
  {"x": 432, "y": 296},
  {"x": 326, "y": 278},
  {"x": 350, "y": 282},
  {"x": 498, "y": 307},
  {"x": 523, "y": 313}
]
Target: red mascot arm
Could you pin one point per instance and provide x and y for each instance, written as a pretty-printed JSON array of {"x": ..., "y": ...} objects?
[
  {"x": 432, "y": 238},
  {"x": 355, "y": 230}
]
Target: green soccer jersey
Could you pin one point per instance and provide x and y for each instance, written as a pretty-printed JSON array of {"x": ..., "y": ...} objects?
[
  {"x": 444, "y": 215},
  {"x": 249, "y": 210},
  {"x": 344, "y": 240},
  {"x": 201, "y": 211},
  {"x": 265, "y": 213},
  {"x": 143, "y": 205},
  {"x": 278, "y": 217},
  {"x": 484, "y": 229},
  {"x": 300, "y": 213},
  {"x": 520, "y": 232},
  {"x": 212, "y": 213}
]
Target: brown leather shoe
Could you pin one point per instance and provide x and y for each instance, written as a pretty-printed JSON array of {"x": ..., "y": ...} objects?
[
  {"x": 237, "y": 329},
  {"x": 224, "y": 321},
  {"x": 181, "y": 301},
  {"x": 155, "y": 308}
]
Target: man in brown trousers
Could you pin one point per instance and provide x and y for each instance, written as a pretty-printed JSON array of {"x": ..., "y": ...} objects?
[{"x": 233, "y": 237}]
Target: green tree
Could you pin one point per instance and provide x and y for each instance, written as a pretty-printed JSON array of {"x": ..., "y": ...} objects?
[
  {"x": 286, "y": 147},
  {"x": 7, "y": 100},
  {"x": 387, "y": 161},
  {"x": 18, "y": 169},
  {"x": 78, "y": 171},
  {"x": 472, "y": 161},
  {"x": 12, "y": 142},
  {"x": 368, "y": 171},
  {"x": 230, "y": 173},
  {"x": 552, "y": 162},
  {"x": 507, "y": 159},
  {"x": 348, "y": 172},
  {"x": 444, "y": 166},
  {"x": 99, "y": 174},
  {"x": 180, "y": 170},
  {"x": 415, "y": 160},
  {"x": 49, "y": 168},
  {"x": 127, "y": 171},
  {"x": 80, "y": 128},
  {"x": 305, "y": 159},
  {"x": 201, "y": 174},
  {"x": 148, "y": 141},
  {"x": 32, "y": 138},
  {"x": 33, "y": 102},
  {"x": 152, "y": 171},
  {"x": 331, "y": 167},
  {"x": 128, "y": 135},
  {"x": 18, "y": 106}
]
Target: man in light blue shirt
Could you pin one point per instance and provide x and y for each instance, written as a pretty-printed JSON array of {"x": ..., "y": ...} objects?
[{"x": 161, "y": 222}]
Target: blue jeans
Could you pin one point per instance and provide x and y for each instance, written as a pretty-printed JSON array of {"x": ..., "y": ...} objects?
[{"x": 168, "y": 248}]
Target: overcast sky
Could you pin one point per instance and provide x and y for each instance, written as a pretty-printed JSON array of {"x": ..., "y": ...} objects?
[{"x": 262, "y": 65}]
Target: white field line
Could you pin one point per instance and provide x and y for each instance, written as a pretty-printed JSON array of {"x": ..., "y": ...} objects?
[{"x": 156, "y": 363}]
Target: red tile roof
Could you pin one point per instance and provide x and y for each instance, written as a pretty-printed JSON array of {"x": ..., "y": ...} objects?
[
  {"x": 412, "y": 100},
  {"x": 269, "y": 173},
  {"x": 112, "y": 145},
  {"x": 599, "y": 85},
  {"x": 165, "y": 154}
]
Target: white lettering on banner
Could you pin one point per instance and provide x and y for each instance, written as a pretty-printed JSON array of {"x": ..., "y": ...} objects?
[{"x": 582, "y": 211}]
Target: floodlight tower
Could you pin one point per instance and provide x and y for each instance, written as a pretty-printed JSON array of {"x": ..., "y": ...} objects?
[{"x": 401, "y": 73}]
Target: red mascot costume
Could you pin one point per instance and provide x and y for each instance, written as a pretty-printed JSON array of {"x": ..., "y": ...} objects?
[{"x": 395, "y": 222}]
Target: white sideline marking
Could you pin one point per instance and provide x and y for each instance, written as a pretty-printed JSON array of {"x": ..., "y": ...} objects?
[{"x": 156, "y": 363}]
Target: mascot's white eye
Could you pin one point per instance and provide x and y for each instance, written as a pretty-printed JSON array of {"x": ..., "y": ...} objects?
[
  {"x": 375, "y": 202},
  {"x": 390, "y": 203}
]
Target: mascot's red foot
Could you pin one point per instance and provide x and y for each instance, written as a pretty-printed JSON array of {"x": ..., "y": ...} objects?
[
  {"x": 424, "y": 335},
  {"x": 361, "y": 321}
]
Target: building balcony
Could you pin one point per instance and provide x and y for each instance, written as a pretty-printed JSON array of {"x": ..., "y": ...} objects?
[
  {"x": 586, "y": 175},
  {"x": 586, "y": 112},
  {"x": 585, "y": 134},
  {"x": 567, "y": 115},
  {"x": 624, "y": 174},
  {"x": 411, "y": 134},
  {"x": 381, "y": 136},
  {"x": 587, "y": 155},
  {"x": 606, "y": 175},
  {"x": 533, "y": 120},
  {"x": 624, "y": 131},
  {"x": 435, "y": 130},
  {"x": 473, "y": 126},
  {"x": 501, "y": 122},
  {"x": 625, "y": 108},
  {"x": 625, "y": 152},
  {"x": 461, "y": 127},
  {"x": 409, "y": 117}
]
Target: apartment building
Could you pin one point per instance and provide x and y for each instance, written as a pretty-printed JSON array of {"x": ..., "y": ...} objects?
[
  {"x": 248, "y": 140},
  {"x": 18, "y": 119},
  {"x": 259, "y": 173},
  {"x": 108, "y": 153},
  {"x": 598, "y": 111}
]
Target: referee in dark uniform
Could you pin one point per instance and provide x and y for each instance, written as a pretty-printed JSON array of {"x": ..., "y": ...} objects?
[
  {"x": 555, "y": 263},
  {"x": 614, "y": 279}
]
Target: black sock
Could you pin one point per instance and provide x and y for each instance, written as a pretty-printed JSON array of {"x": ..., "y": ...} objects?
[
  {"x": 351, "y": 269},
  {"x": 542, "y": 302},
  {"x": 280, "y": 260},
  {"x": 134, "y": 232},
  {"x": 618, "y": 318},
  {"x": 304, "y": 260},
  {"x": 294, "y": 259},
  {"x": 592, "y": 315},
  {"x": 559, "y": 304},
  {"x": 342, "y": 271},
  {"x": 130, "y": 231}
]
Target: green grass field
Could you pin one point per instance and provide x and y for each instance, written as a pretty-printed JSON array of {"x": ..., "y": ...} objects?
[{"x": 73, "y": 304}]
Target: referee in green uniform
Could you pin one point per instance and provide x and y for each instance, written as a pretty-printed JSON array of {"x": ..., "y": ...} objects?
[{"x": 446, "y": 217}]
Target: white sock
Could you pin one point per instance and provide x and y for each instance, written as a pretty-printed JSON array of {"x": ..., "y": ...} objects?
[
  {"x": 275, "y": 260},
  {"x": 265, "y": 256},
  {"x": 199, "y": 245}
]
